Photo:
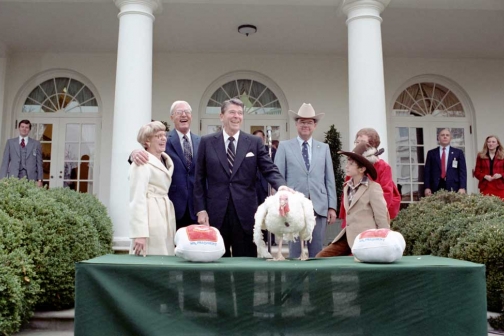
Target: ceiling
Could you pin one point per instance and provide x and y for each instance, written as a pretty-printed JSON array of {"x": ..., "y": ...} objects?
[{"x": 420, "y": 28}]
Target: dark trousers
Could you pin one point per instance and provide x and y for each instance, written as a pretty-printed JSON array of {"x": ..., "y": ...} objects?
[
  {"x": 237, "y": 241},
  {"x": 186, "y": 219}
]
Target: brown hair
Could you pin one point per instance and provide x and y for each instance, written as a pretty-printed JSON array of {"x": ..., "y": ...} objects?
[
  {"x": 25, "y": 121},
  {"x": 499, "y": 152},
  {"x": 232, "y": 101},
  {"x": 374, "y": 138}
]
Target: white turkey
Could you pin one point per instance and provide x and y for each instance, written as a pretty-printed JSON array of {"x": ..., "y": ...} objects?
[{"x": 289, "y": 216}]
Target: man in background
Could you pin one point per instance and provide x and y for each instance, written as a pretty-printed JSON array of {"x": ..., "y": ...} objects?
[{"x": 23, "y": 156}]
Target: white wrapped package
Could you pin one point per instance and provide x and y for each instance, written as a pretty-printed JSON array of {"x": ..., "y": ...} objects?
[
  {"x": 199, "y": 243},
  {"x": 379, "y": 246}
]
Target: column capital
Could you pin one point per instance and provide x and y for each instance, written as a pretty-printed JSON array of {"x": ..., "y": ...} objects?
[
  {"x": 355, "y": 9},
  {"x": 142, "y": 7}
]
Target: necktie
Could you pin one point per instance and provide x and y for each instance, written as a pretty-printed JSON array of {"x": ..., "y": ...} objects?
[
  {"x": 305, "y": 155},
  {"x": 231, "y": 154},
  {"x": 23, "y": 143},
  {"x": 443, "y": 163},
  {"x": 187, "y": 152}
]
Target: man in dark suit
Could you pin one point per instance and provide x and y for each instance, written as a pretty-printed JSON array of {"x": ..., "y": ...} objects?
[
  {"x": 182, "y": 147},
  {"x": 445, "y": 167},
  {"x": 23, "y": 156},
  {"x": 225, "y": 185}
]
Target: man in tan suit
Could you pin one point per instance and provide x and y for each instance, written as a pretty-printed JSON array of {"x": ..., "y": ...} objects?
[{"x": 363, "y": 200}]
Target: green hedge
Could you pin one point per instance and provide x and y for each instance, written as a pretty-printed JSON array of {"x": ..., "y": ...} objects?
[
  {"x": 54, "y": 229},
  {"x": 466, "y": 227}
]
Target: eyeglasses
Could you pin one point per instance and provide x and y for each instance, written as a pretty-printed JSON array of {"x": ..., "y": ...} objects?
[
  {"x": 307, "y": 123},
  {"x": 160, "y": 136},
  {"x": 180, "y": 112}
]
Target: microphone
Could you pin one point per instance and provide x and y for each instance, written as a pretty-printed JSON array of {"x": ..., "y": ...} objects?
[{"x": 268, "y": 132}]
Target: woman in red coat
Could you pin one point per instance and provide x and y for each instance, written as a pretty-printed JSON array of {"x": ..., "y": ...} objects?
[
  {"x": 490, "y": 167},
  {"x": 383, "y": 172}
]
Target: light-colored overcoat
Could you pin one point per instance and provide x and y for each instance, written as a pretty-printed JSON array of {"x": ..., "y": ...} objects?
[
  {"x": 152, "y": 213},
  {"x": 367, "y": 211}
]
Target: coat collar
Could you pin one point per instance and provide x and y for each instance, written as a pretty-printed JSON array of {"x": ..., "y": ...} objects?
[
  {"x": 241, "y": 150},
  {"x": 155, "y": 162},
  {"x": 362, "y": 189}
]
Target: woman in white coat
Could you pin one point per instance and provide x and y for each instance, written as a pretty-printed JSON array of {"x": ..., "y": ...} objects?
[{"x": 152, "y": 224}]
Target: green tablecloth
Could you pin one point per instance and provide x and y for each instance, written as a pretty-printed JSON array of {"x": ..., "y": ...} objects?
[{"x": 421, "y": 295}]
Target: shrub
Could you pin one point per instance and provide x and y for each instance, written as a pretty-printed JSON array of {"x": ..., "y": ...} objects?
[
  {"x": 91, "y": 210},
  {"x": 18, "y": 290},
  {"x": 58, "y": 231},
  {"x": 462, "y": 227}
]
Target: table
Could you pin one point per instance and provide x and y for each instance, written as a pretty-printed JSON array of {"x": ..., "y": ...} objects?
[{"x": 158, "y": 295}]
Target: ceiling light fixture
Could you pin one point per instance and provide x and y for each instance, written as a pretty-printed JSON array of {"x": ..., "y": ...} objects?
[{"x": 247, "y": 29}]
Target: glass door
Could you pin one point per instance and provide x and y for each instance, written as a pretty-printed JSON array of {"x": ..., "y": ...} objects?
[{"x": 69, "y": 152}]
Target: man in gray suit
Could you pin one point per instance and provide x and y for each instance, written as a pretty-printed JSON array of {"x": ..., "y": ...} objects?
[
  {"x": 306, "y": 165},
  {"x": 23, "y": 156}
]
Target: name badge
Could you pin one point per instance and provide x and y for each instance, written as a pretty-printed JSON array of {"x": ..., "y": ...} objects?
[{"x": 455, "y": 163}]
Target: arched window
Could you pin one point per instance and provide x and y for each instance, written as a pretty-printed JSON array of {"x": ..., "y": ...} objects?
[
  {"x": 61, "y": 94},
  {"x": 257, "y": 97},
  {"x": 423, "y": 99}
]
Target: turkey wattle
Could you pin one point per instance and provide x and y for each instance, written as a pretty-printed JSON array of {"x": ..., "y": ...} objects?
[{"x": 287, "y": 215}]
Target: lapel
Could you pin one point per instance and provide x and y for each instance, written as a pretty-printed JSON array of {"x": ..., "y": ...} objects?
[
  {"x": 220, "y": 150},
  {"x": 17, "y": 146},
  {"x": 29, "y": 147},
  {"x": 358, "y": 194},
  {"x": 296, "y": 149},
  {"x": 195, "y": 142},
  {"x": 241, "y": 150},
  {"x": 155, "y": 162},
  {"x": 450, "y": 157},
  {"x": 316, "y": 153},
  {"x": 177, "y": 146},
  {"x": 438, "y": 158}
]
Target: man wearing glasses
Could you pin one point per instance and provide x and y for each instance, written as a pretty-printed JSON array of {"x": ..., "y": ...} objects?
[{"x": 306, "y": 164}]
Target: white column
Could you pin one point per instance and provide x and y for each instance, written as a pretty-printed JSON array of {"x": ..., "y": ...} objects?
[
  {"x": 4, "y": 129},
  {"x": 365, "y": 68},
  {"x": 133, "y": 103}
]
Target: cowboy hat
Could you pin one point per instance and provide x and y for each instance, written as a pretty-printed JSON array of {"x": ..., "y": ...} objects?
[
  {"x": 360, "y": 154},
  {"x": 306, "y": 111}
]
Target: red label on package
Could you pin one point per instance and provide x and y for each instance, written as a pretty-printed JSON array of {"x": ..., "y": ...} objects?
[
  {"x": 201, "y": 233},
  {"x": 376, "y": 233}
]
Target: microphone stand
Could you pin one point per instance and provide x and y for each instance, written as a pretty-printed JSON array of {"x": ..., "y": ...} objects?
[{"x": 270, "y": 145}]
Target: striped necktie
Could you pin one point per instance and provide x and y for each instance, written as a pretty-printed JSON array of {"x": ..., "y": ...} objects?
[{"x": 231, "y": 154}]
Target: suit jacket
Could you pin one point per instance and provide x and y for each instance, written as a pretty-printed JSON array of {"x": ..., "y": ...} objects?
[
  {"x": 367, "y": 211},
  {"x": 317, "y": 184},
  {"x": 483, "y": 168},
  {"x": 456, "y": 178},
  {"x": 214, "y": 184},
  {"x": 182, "y": 186},
  {"x": 12, "y": 159}
]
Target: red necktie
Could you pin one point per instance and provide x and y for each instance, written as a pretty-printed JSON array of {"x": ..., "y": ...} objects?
[
  {"x": 22, "y": 143},
  {"x": 443, "y": 163}
]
